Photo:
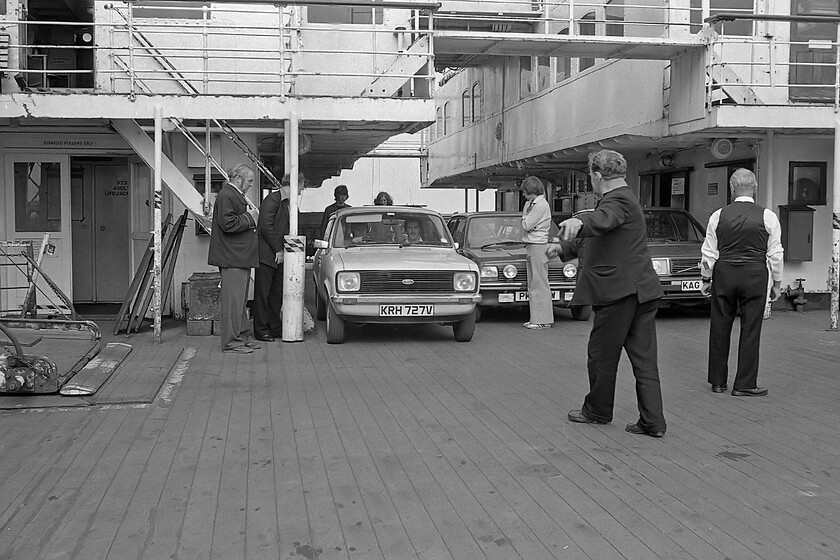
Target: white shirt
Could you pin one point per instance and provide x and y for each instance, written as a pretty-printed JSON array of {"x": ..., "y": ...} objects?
[{"x": 775, "y": 251}]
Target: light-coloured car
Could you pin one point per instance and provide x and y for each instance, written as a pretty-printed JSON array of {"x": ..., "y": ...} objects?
[
  {"x": 493, "y": 240},
  {"x": 392, "y": 264}
]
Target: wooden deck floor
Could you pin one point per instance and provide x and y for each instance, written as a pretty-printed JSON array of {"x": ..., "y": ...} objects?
[{"x": 403, "y": 444}]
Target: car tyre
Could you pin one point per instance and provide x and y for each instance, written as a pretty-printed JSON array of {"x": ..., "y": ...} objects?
[
  {"x": 465, "y": 328},
  {"x": 581, "y": 312},
  {"x": 478, "y": 311},
  {"x": 320, "y": 306},
  {"x": 335, "y": 327}
]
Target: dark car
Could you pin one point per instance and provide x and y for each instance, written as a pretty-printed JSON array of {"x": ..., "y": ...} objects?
[
  {"x": 493, "y": 240},
  {"x": 674, "y": 240}
]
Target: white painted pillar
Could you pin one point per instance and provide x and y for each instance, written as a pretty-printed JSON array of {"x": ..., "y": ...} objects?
[
  {"x": 834, "y": 281},
  {"x": 766, "y": 170},
  {"x": 158, "y": 244},
  {"x": 294, "y": 258}
]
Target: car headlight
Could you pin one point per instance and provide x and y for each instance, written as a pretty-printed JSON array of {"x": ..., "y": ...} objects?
[
  {"x": 490, "y": 272},
  {"x": 348, "y": 281},
  {"x": 569, "y": 270},
  {"x": 464, "y": 281},
  {"x": 661, "y": 267},
  {"x": 510, "y": 271}
]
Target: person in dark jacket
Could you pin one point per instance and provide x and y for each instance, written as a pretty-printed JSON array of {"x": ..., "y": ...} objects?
[
  {"x": 617, "y": 279},
  {"x": 233, "y": 248},
  {"x": 741, "y": 241},
  {"x": 341, "y": 196},
  {"x": 273, "y": 226}
]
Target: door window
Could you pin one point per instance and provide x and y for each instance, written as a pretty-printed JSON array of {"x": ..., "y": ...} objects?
[{"x": 37, "y": 196}]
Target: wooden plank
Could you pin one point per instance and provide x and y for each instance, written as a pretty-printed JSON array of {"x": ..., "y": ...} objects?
[
  {"x": 136, "y": 281},
  {"x": 97, "y": 371}
]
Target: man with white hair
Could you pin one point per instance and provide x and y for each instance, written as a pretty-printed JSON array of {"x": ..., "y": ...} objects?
[
  {"x": 742, "y": 239},
  {"x": 233, "y": 248}
]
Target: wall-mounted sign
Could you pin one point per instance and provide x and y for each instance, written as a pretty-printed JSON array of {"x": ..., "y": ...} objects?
[
  {"x": 677, "y": 185},
  {"x": 713, "y": 189}
]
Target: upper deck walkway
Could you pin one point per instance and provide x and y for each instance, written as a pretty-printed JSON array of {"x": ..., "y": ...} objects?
[{"x": 402, "y": 443}]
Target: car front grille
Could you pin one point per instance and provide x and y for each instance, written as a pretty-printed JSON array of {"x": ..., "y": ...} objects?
[
  {"x": 686, "y": 266},
  {"x": 406, "y": 282},
  {"x": 554, "y": 275}
]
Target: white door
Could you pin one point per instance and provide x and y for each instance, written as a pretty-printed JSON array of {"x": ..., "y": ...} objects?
[{"x": 38, "y": 202}]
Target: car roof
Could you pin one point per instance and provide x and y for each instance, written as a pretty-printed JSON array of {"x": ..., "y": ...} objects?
[
  {"x": 486, "y": 213},
  {"x": 373, "y": 208}
]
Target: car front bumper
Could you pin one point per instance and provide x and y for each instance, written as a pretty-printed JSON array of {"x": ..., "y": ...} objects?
[{"x": 367, "y": 308}]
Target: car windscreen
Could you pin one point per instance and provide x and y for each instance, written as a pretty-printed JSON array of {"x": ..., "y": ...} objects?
[
  {"x": 485, "y": 231},
  {"x": 390, "y": 228},
  {"x": 672, "y": 227}
]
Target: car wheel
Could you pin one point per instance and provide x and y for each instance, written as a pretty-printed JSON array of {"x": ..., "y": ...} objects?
[
  {"x": 581, "y": 312},
  {"x": 335, "y": 327},
  {"x": 320, "y": 306},
  {"x": 478, "y": 311},
  {"x": 465, "y": 328}
]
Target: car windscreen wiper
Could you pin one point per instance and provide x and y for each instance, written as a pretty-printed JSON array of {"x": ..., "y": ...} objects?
[{"x": 502, "y": 243}]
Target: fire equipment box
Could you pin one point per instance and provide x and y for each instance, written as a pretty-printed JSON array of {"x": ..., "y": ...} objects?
[{"x": 797, "y": 232}]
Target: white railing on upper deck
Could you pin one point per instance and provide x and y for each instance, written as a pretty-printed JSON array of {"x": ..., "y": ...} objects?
[
  {"x": 248, "y": 50},
  {"x": 778, "y": 64},
  {"x": 613, "y": 18}
]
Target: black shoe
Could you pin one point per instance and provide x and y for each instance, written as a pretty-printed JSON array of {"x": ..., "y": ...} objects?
[
  {"x": 638, "y": 430},
  {"x": 718, "y": 388},
  {"x": 580, "y": 417},
  {"x": 265, "y": 338},
  {"x": 757, "y": 392}
]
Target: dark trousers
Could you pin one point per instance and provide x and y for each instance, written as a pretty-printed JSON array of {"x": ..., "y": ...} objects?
[
  {"x": 268, "y": 301},
  {"x": 235, "y": 325},
  {"x": 630, "y": 325},
  {"x": 737, "y": 288}
]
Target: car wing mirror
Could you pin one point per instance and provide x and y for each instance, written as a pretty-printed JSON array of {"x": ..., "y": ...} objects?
[{"x": 320, "y": 244}]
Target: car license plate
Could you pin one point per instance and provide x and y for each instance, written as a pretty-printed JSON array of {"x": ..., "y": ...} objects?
[
  {"x": 690, "y": 285},
  {"x": 523, "y": 296},
  {"x": 406, "y": 310}
]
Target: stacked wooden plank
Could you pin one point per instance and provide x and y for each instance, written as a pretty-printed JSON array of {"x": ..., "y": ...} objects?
[{"x": 136, "y": 304}]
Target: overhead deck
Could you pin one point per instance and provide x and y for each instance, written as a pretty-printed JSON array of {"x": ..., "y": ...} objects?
[{"x": 473, "y": 48}]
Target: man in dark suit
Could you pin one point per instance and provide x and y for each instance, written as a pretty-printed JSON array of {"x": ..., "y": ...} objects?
[
  {"x": 617, "y": 279},
  {"x": 741, "y": 240},
  {"x": 233, "y": 248},
  {"x": 273, "y": 226},
  {"x": 341, "y": 196}
]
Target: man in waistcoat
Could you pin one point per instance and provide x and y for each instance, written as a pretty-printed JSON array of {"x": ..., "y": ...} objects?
[
  {"x": 233, "y": 248},
  {"x": 617, "y": 279},
  {"x": 741, "y": 240}
]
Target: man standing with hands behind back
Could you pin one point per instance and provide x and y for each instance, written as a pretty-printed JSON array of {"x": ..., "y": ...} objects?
[
  {"x": 341, "y": 196},
  {"x": 233, "y": 248},
  {"x": 741, "y": 240},
  {"x": 272, "y": 227},
  {"x": 618, "y": 280}
]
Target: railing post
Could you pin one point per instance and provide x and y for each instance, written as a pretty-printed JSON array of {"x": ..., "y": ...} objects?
[
  {"x": 205, "y": 38},
  {"x": 130, "y": 23},
  {"x": 280, "y": 28},
  {"x": 572, "y": 30}
]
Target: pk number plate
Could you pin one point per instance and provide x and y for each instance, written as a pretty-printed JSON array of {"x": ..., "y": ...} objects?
[
  {"x": 523, "y": 296},
  {"x": 690, "y": 285},
  {"x": 406, "y": 310}
]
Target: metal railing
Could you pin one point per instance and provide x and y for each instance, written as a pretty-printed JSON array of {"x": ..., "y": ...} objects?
[
  {"x": 253, "y": 50},
  {"x": 772, "y": 63}
]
